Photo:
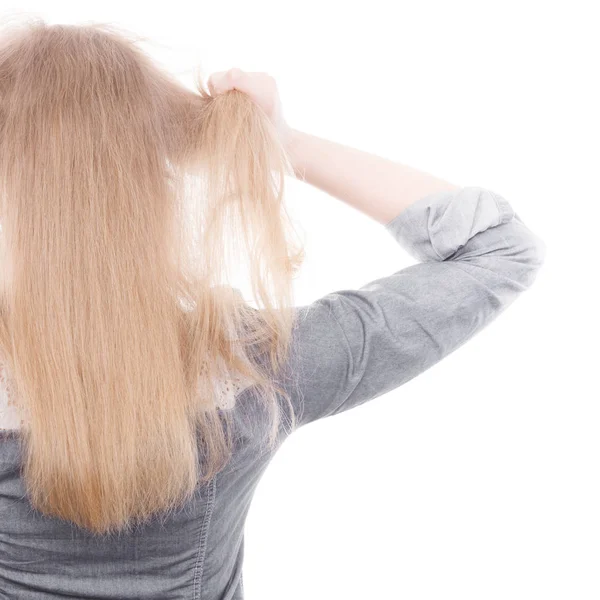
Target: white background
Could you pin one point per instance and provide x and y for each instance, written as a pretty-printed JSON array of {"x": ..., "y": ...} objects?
[{"x": 479, "y": 479}]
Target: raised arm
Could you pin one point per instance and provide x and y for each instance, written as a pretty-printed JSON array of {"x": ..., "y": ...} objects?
[{"x": 474, "y": 256}]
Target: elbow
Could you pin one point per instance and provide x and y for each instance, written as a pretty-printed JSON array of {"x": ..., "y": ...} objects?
[
  {"x": 538, "y": 256},
  {"x": 530, "y": 246},
  {"x": 539, "y": 251},
  {"x": 537, "y": 246},
  {"x": 511, "y": 250},
  {"x": 530, "y": 255}
]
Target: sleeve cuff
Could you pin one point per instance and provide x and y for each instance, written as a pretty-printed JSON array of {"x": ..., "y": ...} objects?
[{"x": 437, "y": 225}]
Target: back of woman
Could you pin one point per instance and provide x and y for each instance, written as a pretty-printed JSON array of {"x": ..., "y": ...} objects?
[{"x": 142, "y": 396}]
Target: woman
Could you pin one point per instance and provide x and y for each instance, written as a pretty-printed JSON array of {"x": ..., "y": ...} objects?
[{"x": 144, "y": 397}]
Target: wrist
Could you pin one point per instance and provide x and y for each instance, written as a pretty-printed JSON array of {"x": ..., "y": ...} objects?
[
  {"x": 288, "y": 137},
  {"x": 290, "y": 140}
]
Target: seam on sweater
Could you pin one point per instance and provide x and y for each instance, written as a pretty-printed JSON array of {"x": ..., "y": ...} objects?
[
  {"x": 352, "y": 367},
  {"x": 202, "y": 542}
]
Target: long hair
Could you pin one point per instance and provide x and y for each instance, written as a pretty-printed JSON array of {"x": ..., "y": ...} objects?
[{"x": 125, "y": 201}]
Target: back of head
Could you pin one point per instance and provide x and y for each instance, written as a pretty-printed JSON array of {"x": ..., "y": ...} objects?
[{"x": 125, "y": 199}]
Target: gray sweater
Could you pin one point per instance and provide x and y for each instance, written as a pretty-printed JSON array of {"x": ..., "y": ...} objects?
[{"x": 475, "y": 256}]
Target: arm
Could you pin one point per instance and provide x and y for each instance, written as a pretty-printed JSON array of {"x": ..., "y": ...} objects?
[
  {"x": 378, "y": 187},
  {"x": 475, "y": 257}
]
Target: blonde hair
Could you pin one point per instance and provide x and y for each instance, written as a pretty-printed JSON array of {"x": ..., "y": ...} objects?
[{"x": 125, "y": 199}]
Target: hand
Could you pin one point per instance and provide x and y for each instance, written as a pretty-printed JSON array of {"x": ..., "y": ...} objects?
[{"x": 261, "y": 87}]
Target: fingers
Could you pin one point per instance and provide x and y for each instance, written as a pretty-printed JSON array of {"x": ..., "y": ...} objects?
[
  {"x": 222, "y": 81},
  {"x": 258, "y": 85},
  {"x": 249, "y": 82}
]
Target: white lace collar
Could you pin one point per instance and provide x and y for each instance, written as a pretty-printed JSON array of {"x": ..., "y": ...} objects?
[{"x": 11, "y": 420}]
